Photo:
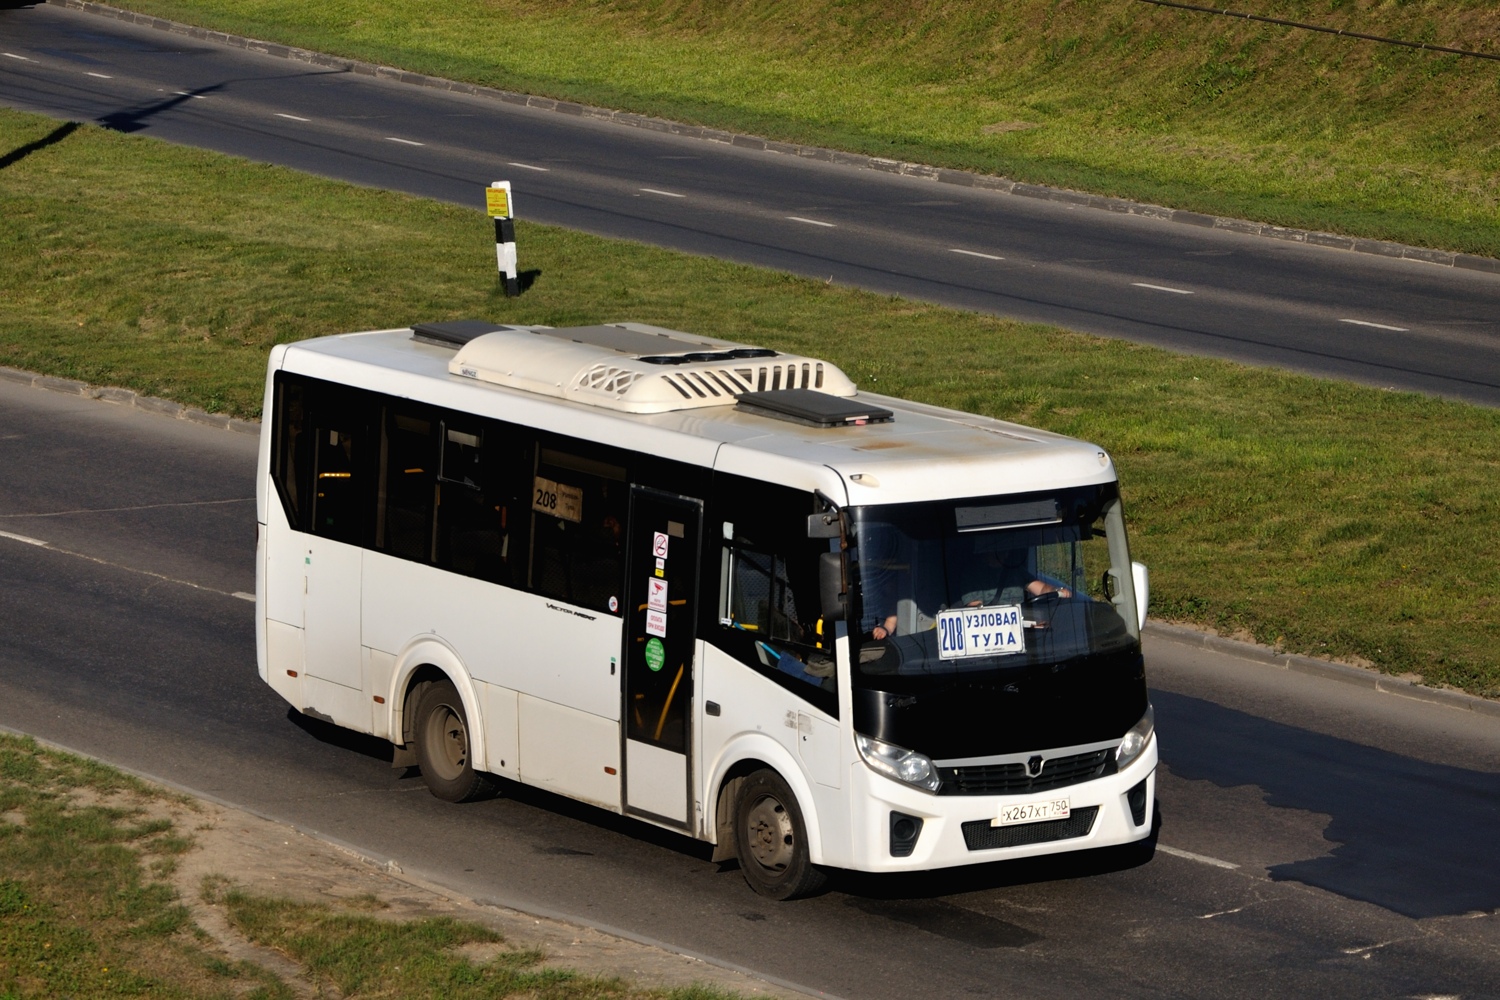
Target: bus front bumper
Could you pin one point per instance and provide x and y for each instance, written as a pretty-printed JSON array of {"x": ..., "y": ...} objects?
[{"x": 954, "y": 830}]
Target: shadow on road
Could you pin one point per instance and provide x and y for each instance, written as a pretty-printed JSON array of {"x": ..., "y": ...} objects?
[
  {"x": 1413, "y": 837},
  {"x": 51, "y": 138}
]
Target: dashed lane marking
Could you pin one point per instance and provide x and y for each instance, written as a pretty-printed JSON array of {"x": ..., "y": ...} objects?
[
  {"x": 292, "y": 117},
  {"x": 188, "y": 93},
  {"x": 975, "y": 253},
  {"x": 129, "y": 569},
  {"x": 811, "y": 222},
  {"x": 664, "y": 194},
  {"x": 405, "y": 142},
  {"x": 1378, "y": 326},
  {"x": 1161, "y": 288},
  {"x": 1202, "y": 859},
  {"x": 100, "y": 76},
  {"x": 23, "y": 538},
  {"x": 12, "y": 55},
  {"x": 528, "y": 166}
]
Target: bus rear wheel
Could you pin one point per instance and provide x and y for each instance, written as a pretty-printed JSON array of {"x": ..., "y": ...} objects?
[
  {"x": 444, "y": 750},
  {"x": 771, "y": 839}
]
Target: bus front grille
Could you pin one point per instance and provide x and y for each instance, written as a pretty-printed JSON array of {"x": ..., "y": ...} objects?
[
  {"x": 980, "y": 836},
  {"x": 1013, "y": 779}
]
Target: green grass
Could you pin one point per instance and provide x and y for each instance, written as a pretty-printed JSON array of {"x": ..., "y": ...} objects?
[
  {"x": 85, "y": 910},
  {"x": 1324, "y": 517},
  {"x": 1112, "y": 96},
  {"x": 371, "y": 958}
]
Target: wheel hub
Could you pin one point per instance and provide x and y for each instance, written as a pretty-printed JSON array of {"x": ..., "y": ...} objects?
[{"x": 770, "y": 834}]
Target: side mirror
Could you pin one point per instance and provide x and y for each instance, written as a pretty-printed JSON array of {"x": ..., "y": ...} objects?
[
  {"x": 831, "y": 585},
  {"x": 1142, "y": 582}
]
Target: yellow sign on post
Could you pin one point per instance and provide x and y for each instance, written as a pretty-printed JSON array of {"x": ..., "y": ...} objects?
[{"x": 497, "y": 201}]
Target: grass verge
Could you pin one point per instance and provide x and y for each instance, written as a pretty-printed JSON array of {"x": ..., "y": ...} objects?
[
  {"x": 1319, "y": 516},
  {"x": 1218, "y": 115},
  {"x": 86, "y": 910}
]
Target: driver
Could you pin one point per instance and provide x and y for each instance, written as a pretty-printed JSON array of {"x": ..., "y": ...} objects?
[{"x": 1005, "y": 578}]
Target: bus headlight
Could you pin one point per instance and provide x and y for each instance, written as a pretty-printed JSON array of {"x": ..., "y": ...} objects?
[
  {"x": 1136, "y": 740},
  {"x": 899, "y": 763}
]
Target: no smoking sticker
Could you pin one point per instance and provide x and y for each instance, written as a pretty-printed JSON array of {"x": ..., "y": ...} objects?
[{"x": 659, "y": 545}]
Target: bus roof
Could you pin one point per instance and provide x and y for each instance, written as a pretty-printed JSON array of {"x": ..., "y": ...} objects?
[{"x": 922, "y": 453}]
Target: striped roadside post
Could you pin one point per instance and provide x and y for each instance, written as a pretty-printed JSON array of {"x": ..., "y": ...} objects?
[{"x": 498, "y": 203}]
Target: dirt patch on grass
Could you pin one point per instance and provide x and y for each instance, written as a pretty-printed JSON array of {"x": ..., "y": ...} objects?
[{"x": 236, "y": 849}]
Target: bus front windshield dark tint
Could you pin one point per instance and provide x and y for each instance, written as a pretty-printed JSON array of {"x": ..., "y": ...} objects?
[{"x": 968, "y": 588}]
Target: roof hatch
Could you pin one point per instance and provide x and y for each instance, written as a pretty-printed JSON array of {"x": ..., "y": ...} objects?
[{"x": 629, "y": 367}]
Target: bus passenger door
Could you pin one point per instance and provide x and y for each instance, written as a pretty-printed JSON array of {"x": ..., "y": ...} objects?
[{"x": 660, "y": 639}]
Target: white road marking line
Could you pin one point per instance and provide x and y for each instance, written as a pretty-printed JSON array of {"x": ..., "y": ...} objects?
[
  {"x": 243, "y": 596},
  {"x": 101, "y": 76},
  {"x": 23, "y": 538},
  {"x": 811, "y": 222},
  {"x": 666, "y": 194},
  {"x": 527, "y": 166},
  {"x": 1221, "y": 913},
  {"x": 292, "y": 117},
  {"x": 1378, "y": 326},
  {"x": 1200, "y": 858},
  {"x": 405, "y": 142},
  {"x": 129, "y": 569},
  {"x": 117, "y": 510},
  {"x": 976, "y": 253},
  {"x": 1161, "y": 288},
  {"x": 12, "y": 55},
  {"x": 184, "y": 93}
]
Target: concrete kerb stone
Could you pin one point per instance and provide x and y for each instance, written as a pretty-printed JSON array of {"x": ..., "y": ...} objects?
[
  {"x": 128, "y": 397},
  {"x": 1327, "y": 669},
  {"x": 941, "y": 175}
]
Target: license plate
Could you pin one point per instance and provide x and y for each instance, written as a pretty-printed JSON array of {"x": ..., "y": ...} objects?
[
  {"x": 993, "y": 631},
  {"x": 1033, "y": 812}
]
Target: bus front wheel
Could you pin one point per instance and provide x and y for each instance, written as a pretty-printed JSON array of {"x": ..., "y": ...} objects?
[
  {"x": 444, "y": 751},
  {"x": 771, "y": 839}
]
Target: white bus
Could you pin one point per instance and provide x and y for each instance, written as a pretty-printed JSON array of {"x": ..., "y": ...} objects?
[{"x": 707, "y": 585}]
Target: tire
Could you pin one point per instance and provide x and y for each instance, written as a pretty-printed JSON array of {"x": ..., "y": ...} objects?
[
  {"x": 771, "y": 839},
  {"x": 443, "y": 747}
]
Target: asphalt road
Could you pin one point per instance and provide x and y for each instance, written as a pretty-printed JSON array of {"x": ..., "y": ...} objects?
[
  {"x": 1318, "y": 839},
  {"x": 1396, "y": 323}
]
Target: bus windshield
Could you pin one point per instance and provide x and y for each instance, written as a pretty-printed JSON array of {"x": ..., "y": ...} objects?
[{"x": 979, "y": 588}]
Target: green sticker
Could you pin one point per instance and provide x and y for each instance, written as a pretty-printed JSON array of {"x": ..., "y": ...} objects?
[{"x": 656, "y": 653}]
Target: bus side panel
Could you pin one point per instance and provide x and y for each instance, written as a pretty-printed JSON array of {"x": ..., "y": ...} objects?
[
  {"x": 759, "y": 719},
  {"x": 568, "y": 751},
  {"x": 520, "y": 641},
  {"x": 502, "y": 728}
]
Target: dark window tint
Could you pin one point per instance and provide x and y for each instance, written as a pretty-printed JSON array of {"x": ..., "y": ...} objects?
[
  {"x": 291, "y": 457},
  {"x": 408, "y": 478},
  {"x": 578, "y": 511}
]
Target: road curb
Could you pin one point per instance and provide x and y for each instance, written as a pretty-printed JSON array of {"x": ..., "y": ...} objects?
[
  {"x": 942, "y": 175},
  {"x": 1344, "y": 673},
  {"x": 129, "y": 397}
]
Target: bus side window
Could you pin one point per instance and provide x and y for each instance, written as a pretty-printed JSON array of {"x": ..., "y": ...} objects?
[
  {"x": 408, "y": 484},
  {"x": 769, "y": 602},
  {"x": 291, "y": 454},
  {"x": 474, "y": 515},
  {"x": 578, "y": 511},
  {"x": 339, "y": 486}
]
